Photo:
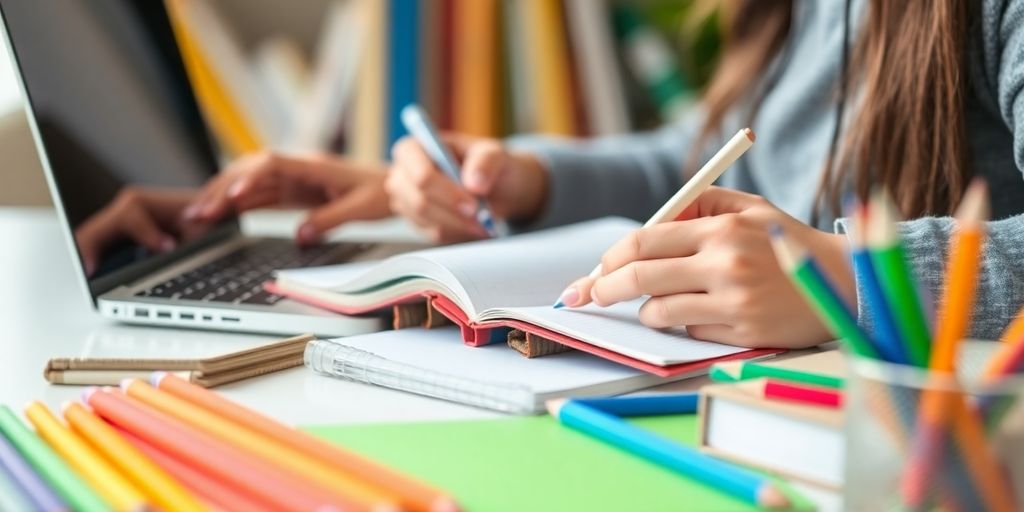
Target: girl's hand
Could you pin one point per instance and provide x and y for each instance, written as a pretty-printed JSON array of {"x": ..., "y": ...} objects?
[
  {"x": 335, "y": 190},
  {"x": 714, "y": 272},
  {"x": 513, "y": 184}
]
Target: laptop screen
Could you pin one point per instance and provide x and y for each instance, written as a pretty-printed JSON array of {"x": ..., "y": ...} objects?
[{"x": 122, "y": 134}]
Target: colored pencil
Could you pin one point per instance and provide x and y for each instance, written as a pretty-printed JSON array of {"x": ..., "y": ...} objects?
[
  {"x": 12, "y": 496},
  {"x": 347, "y": 486},
  {"x": 419, "y": 125},
  {"x": 415, "y": 495},
  {"x": 646, "y": 405},
  {"x": 158, "y": 486},
  {"x": 214, "y": 492},
  {"x": 886, "y": 334},
  {"x": 38, "y": 491},
  {"x": 750, "y": 370},
  {"x": 60, "y": 478},
  {"x": 942, "y": 409},
  {"x": 819, "y": 292},
  {"x": 738, "y": 482},
  {"x": 890, "y": 263},
  {"x": 695, "y": 186},
  {"x": 111, "y": 485},
  {"x": 961, "y": 278},
  {"x": 1010, "y": 356},
  {"x": 235, "y": 468},
  {"x": 776, "y": 390}
]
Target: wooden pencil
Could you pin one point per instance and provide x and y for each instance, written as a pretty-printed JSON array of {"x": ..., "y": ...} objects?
[
  {"x": 65, "y": 482},
  {"x": 819, "y": 292},
  {"x": 347, "y": 486},
  {"x": 726, "y": 477},
  {"x": 414, "y": 494},
  {"x": 161, "y": 489},
  {"x": 695, "y": 186},
  {"x": 238, "y": 469},
  {"x": 898, "y": 283},
  {"x": 119, "y": 493}
]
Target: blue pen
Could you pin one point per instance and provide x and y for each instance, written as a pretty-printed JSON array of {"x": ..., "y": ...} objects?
[
  {"x": 736, "y": 481},
  {"x": 644, "y": 405},
  {"x": 422, "y": 128}
]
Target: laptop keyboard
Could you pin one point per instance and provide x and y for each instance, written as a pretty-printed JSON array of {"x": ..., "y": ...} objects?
[{"x": 238, "y": 277}]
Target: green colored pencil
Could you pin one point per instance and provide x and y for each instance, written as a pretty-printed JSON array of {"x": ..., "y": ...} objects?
[
  {"x": 63, "y": 480},
  {"x": 898, "y": 283},
  {"x": 725, "y": 372},
  {"x": 821, "y": 295}
]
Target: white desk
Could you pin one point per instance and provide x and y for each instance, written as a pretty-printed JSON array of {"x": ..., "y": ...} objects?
[{"x": 44, "y": 314}]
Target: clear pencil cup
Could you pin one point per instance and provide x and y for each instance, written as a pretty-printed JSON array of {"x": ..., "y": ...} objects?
[{"x": 921, "y": 440}]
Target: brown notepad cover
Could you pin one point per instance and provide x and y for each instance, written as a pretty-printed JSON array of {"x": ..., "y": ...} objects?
[
  {"x": 207, "y": 372},
  {"x": 531, "y": 345}
]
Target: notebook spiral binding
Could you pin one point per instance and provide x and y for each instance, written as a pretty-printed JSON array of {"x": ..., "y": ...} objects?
[{"x": 328, "y": 357}]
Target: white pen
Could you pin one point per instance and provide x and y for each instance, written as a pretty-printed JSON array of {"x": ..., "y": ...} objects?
[
  {"x": 696, "y": 186},
  {"x": 422, "y": 128}
]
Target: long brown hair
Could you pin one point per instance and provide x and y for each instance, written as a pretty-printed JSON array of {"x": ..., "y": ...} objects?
[{"x": 908, "y": 66}]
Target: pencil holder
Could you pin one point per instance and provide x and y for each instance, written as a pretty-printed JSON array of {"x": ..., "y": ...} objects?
[{"x": 920, "y": 440}]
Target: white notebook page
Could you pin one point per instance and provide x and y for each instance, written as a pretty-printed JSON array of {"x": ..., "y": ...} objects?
[{"x": 618, "y": 328}]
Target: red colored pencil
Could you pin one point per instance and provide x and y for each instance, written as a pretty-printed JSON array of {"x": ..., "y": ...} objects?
[
  {"x": 787, "y": 392},
  {"x": 233, "y": 467},
  {"x": 209, "y": 490}
]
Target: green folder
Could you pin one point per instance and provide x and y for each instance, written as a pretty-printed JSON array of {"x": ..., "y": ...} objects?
[{"x": 533, "y": 463}]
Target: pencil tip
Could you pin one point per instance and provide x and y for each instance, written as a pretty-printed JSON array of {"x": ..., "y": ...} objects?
[
  {"x": 156, "y": 378},
  {"x": 555, "y": 406},
  {"x": 88, "y": 393},
  {"x": 750, "y": 134},
  {"x": 974, "y": 205},
  {"x": 771, "y": 497},
  {"x": 559, "y": 304}
]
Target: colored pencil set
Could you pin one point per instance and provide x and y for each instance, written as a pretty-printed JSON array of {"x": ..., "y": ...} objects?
[
  {"x": 170, "y": 445},
  {"x": 945, "y": 433}
]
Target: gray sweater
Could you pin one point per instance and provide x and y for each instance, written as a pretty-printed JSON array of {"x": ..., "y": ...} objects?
[{"x": 632, "y": 175}]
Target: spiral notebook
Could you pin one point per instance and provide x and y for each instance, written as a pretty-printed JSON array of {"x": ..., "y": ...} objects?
[{"x": 434, "y": 363}]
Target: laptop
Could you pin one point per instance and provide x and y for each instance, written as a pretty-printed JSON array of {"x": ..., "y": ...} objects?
[{"x": 118, "y": 131}]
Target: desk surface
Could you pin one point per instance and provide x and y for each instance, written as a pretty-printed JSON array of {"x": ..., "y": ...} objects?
[{"x": 45, "y": 314}]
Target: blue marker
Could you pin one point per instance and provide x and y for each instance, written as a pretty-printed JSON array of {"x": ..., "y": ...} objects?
[{"x": 422, "y": 128}]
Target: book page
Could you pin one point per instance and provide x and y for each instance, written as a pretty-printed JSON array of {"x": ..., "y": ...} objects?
[
  {"x": 618, "y": 328},
  {"x": 524, "y": 270}
]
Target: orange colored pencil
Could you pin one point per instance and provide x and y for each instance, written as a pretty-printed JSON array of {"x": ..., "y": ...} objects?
[
  {"x": 414, "y": 495},
  {"x": 961, "y": 278},
  {"x": 347, "y": 486},
  {"x": 240, "y": 470},
  {"x": 940, "y": 409},
  {"x": 210, "y": 490},
  {"x": 161, "y": 489}
]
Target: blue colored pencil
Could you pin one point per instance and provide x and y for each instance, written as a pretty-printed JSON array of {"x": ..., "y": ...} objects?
[
  {"x": 739, "y": 482},
  {"x": 419, "y": 125},
  {"x": 645, "y": 405},
  {"x": 886, "y": 333}
]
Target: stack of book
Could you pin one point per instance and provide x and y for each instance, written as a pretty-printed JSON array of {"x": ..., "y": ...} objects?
[{"x": 483, "y": 67}]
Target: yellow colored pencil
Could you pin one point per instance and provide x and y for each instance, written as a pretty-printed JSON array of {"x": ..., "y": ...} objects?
[
  {"x": 162, "y": 490},
  {"x": 345, "y": 486},
  {"x": 111, "y": 485}
]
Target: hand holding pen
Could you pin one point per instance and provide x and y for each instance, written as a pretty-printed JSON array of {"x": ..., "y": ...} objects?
[{"x": 446, "y": 206}]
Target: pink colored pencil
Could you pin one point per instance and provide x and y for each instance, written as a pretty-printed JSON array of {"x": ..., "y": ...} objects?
[
  {"x": 233, "y": 467},
  {"x": 784, "y": 391}
]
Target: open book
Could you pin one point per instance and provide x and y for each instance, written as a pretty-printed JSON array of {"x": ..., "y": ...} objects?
[{"x": 512, "y": 282}]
